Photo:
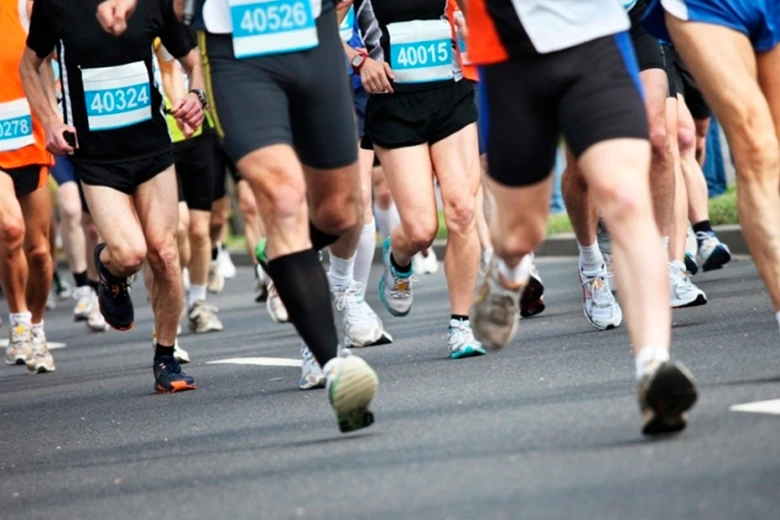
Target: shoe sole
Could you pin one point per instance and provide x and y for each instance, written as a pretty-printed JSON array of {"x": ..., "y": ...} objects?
[
  {"x": 700, "y": 300},
  {"x": 531, "y": 302},
  {"x": 351, "y": 394},
  {"x": 611, "y": 326},
  {"x": 176, "y": 386},
  {"x": 40, "y": 370},
  {"x": 467, "y": 353},
  {"x": 307, "y": 384},
  {"x": 716, "y": 261},
  {"x": 384, "y": 339},
  {"x": 78, "y": 318},
  {"x": 671, "y": 393},
  {"x": 262, "y": 297},
  {"x": 18, "y": 361}
]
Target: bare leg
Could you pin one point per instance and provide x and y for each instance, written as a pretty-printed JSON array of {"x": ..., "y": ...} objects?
[
  {"x": 13, "y": 264},
  {"x": 36, "y": 208},
  {"x": 579, "y": 206},
  {"x": 70, "y": 226}
]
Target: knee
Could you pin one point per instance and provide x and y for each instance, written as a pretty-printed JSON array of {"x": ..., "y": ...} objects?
[
  {"x": 183, "y": 229},
  {"x": 521, "y": 241},
  {"x": 282, "y": 193},
  {"x": 164, "y": 255},
  {"x": 128, "y": 258},
  {"x": 337, "y": 215},
  {"x": 39, "y": 252},
  {"x": 459, "y": 214},
  {"x": 686, "y": 141},
  {"x": 756, "y": 155},
  {"x": 247, "y": 204},
  {"x": 71, "y": 212},
  {"x": 199, "y": 232},
  {"x": 12, "y": 232},
  {"x": 622, "y": 201},
  {"x": 659, "y": 140},
  {"x": 421, "y": 233}
]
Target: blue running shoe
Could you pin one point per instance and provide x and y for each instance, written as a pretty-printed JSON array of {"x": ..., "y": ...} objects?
[
  {"x": 461, "y": 341},
  {"x": 114, "y": 296},
  {"x": 168, "y": 376},
  {"x": 395, "y": 288}
]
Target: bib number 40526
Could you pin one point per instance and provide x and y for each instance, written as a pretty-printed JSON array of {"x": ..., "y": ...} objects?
[{"x": 275, "y": 17}]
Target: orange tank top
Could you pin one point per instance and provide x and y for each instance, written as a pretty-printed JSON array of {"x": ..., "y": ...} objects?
[
  {"x": 469, "y": 70},
  {"x": 22, "y": 137},
  {"x": 485, "y": 46}
]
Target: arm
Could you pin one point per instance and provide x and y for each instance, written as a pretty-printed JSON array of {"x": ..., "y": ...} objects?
[
  {"x": 188, "y": 110},
  {"x": 113, "y": 15},
  {"x": 47, "y": 79},
  {"x": 172, "y": 79},
  {"x": 342, "y": 8}
]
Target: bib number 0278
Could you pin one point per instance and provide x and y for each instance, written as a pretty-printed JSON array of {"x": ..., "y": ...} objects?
[
  {"x": 18, "y": 127},
  {"x": 118, "y": 100},
  {"x": 274, "y": 17},
  {"x": 423, "y": 54}
]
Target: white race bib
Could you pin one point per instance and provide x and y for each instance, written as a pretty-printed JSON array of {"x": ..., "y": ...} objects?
[
  {"x": 266, "y": 27},
  {"x": 16, "y": 129},
  {"x": 346, "y": 28},
  {"x": 117, "y": 96},
  {"x": 421, "y": 51}
]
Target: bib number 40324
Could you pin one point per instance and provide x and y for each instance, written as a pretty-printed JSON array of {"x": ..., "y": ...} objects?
[
  {"x": 118, "y": 100},
  {"x": 117, "y": 96}
]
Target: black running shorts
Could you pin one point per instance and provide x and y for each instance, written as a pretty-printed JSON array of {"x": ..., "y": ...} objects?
[
  {"x": 302, "y": 99},
  {"x": 589, "y": 93},
  {"x": 123, "y": 175},
  {"x": 421, "y": 116},
  {"x": 27, "y": 179},
  {"x": 687, "y": 86},
  {"x": 647, "y": 48},
  {"x": 197, "y": 167}
]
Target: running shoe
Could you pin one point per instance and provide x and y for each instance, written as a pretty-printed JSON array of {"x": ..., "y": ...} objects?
[
  {"x": 609, "y": 265},
  {"x": 168, "y": 376},
  {"x": 61, "y": 287},
  {"x": 261, "y": 284},
  {"x": 275, "y": 306},
  {"x": 40, "y": 359},
  {"x": 216, "y": 282},
  {"x": 181, "y": 355},
  {"x": 690, "y": 263},
  {"x": 19, "y": 343},
  {"x": 484, "y": 261},
  {"x": 712, "y": 253},
  {"x": 202, "y": 318},
  {"x": 395, "y": 289},
  {"x": 666, "y": 392},
  {"x": 532, "y": 300},
  {"x": 495, "y": 313},
  {"x": 351, "y": 384},
  {"x": 682, "y": 290},
  {"x": 311, "y": 372},
  {"x": 51, "y": 300},
  {"x": 226, "y": 266},
  {"x": 114, "y": 296},
  {"x": 461, "y": 341},
  {"x": 84, "y": 297},
  {"x": 362, "y": 326},
  {"x": 599, "y": 305},
  {"x": 691, "y": 247},
  {"x": 185, "y": 279},
  {"x": 95, "y": 321},
  {"x": 425, "y": 262}
]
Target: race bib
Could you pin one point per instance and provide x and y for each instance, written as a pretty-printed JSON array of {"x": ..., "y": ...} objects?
[
  {"x": 628, "y": 4},
  {"x": 464, "y": 55},
  {"x": 347, "y": 25},
  {"x": 117, "y": 96},
  {"x": 421, "y": 51},
  {"x": 16, "y": 129},
  {"x": 266, "y": 27}
]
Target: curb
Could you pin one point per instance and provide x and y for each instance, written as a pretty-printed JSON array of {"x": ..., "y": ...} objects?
[{"x": 556, "y": 245}]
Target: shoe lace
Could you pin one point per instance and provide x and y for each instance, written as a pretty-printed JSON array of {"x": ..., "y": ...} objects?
[
  {"x": 600, "y": 294},
  {"x": 351, "y": 302},
  {"x": 402, "y": 287},
  {"x": 170, "y": 364},
  {"x": 461, "y": 333},
  {"x": 117, "y": 287}
]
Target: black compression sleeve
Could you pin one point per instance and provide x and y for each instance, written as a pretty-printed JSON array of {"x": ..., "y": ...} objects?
[
  {"x": 42, "y": 36},
  {"x": 176, "y": 36}
]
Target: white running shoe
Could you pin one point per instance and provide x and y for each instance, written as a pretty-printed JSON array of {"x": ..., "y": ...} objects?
[
  {"x": 51, "y": 300},
  {"x": 261, "y": 284},
  {"x": 311, "y": 372},
  {"x": 19, "y": 339},
  {"x": 202, "y": 318},
  {"x": 351, "y": 385},
  {"x": 275, "y": 307},
  {"x": 395, "y": 289},
  {"x": 712, "y": 253},
  {"x": 600, "y": 307},
  {"x": 216, "y": 281},
  {"x": 40, "y": 359},
  {"x": 682, "y": 290},
  {"x": 185, "y": 279},
  {"x": 362, "y": 326},
  {"x": 84, "y": 297},
  {"x": 95, "y": 321},
  {"x": 226, "y": 266},
  {"x": 495, "y": 313},
  {"x": 425, "y": 264},
  {"x": 461, "y": 340}
]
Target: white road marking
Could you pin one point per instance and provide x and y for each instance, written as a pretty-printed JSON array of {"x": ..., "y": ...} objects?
[
  {"x": 262, "y": 361},
  {"x": 52, "y": 344},
  {"x": 771, "y": 407}
]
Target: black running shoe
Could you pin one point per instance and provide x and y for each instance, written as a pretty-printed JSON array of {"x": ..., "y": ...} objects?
[
  {"x": 114, "y": 296},
  {"x": 665, "y": 396},
  {"x": 169, "y": 378}
]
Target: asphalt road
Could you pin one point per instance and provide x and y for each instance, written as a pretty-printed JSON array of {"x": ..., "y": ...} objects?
[{"x": 547, "y": 428}]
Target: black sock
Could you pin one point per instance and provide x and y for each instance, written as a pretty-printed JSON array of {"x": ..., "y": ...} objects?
[
  {"x": 94, "y": 284},
  {"x": 320, "y": 239},
  {"x": 160, "y": 351},
  {"x": 403, "y": 269},
  {"x": 459, "y": 317},
  {"x": 81, "y": 279},
  {"x": 703, "y": 226},
  {"x": 303, "y": 287},
  {"x": 214, "y": 254}
]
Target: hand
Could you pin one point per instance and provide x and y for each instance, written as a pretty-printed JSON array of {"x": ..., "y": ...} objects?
[
  {"x": 376, "y": 76},
  {"x": 343, "y": 4},
  {"x": 113, "y": 15},
  {"x": 462, "y": 28},
  {"x": 55, "y": 140},
  {"x": 188, "y": 113}
]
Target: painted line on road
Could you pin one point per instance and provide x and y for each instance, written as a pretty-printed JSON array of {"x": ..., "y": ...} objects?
[
  {"x": 771, "y": 407},
  {"x": 52, "y": 345},
  {"x": 261, "y": 361}
]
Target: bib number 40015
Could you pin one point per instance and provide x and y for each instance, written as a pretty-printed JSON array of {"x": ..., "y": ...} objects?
[
  {"x": 119, "y": 100},
  {"x": 434, "y": 53},
  {"x": 275, "y": 17}
]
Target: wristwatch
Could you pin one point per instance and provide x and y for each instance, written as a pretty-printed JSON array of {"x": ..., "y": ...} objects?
[
  {"x": 201, "y": 96},
  {"x": 358, "y": 61}
]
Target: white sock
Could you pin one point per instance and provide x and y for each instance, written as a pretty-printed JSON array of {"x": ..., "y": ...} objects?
[
  {"x": 196, "y": 293},
  {"x": 260, "y": 273},
  {"x": 37, "y": 328},
  {"x": 365, "y": 253},
  {"x": 341, "y": 272},
  {"x": 648, "y": 358},
  {"x": 386, "y": 219},
  {"x": 23, "y": 317},
  {"x": 665, "y": 240},
  {"x": 590, "y": 257},
  {"x": 518, "y": 274}
]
